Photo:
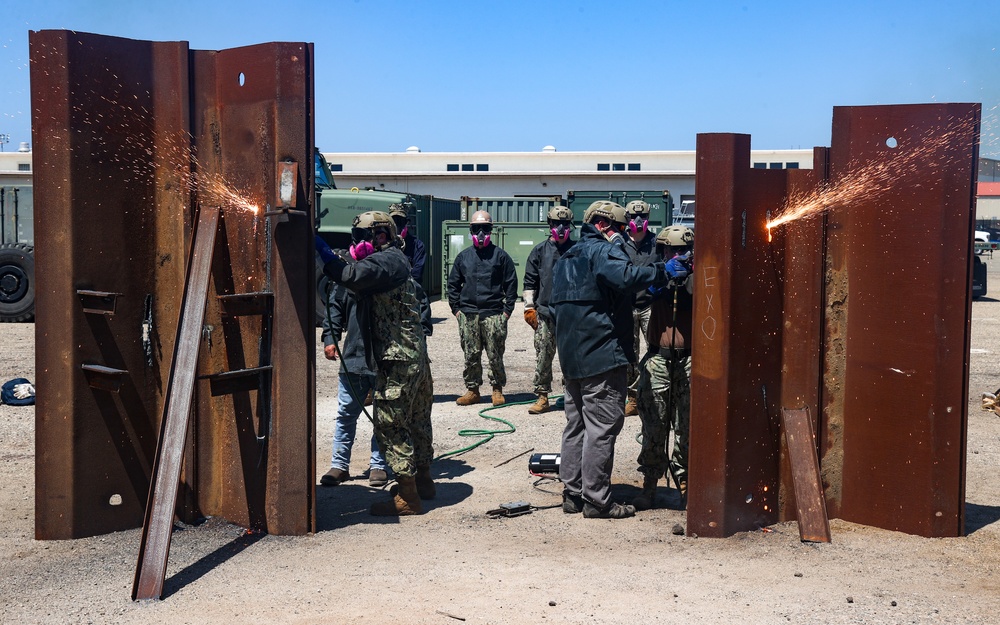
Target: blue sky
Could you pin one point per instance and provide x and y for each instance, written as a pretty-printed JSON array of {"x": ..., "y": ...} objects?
[{"x": 614, "y": 75}]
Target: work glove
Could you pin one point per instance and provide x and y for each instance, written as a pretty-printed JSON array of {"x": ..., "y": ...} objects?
[
  {"x": 24, "y": 391},
  {"x": 531, "y": 316},
  {"x": 324, "y": 251},
  {"x": 675, "y": 269}
]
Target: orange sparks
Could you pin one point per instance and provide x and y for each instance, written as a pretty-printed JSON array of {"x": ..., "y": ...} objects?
[{"x": 864, "y": 181}]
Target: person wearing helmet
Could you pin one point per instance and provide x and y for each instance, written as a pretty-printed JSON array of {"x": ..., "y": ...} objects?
[
  {"x": 664, "y": 392},
  {"x": 642, "y": 251},
  {"x": 592, "y": 287},
  {"x": 388, "y": 309},
  {"x": 537, "y": 290},
  {"x": 612, "y": 220},
  {"x": 482, "y": 290},
  {"x": 413, "y": 247}
]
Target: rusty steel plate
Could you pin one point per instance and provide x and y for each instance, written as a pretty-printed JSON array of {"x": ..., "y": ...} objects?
[{"x": 130, "y": 136}]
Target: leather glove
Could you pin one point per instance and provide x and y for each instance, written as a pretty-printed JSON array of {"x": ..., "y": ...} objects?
[
  {"x": 23, "y": 391},
  {"x": 324, "y": 251},
  {"x": 531, "y": 316}
]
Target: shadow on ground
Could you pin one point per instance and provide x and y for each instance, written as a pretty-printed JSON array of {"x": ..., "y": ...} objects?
[
  {"x": 341, "y": 506},
  {"x": 978, "y": 516}
]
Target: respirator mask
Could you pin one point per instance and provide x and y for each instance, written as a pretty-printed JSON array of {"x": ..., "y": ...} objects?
[
  {"x": 402, "y": 226},
  {"x": 481, "y": 234},
  {"x": 362, "y": 246},
  {"x": 561, "y": 230},
  {"x": 639, "y": 224}
]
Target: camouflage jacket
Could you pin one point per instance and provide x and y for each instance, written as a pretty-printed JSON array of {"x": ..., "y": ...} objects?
[{"x": 388, "y": 305}]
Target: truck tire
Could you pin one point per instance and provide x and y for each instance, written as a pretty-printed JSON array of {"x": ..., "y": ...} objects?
[{"x": 17, "y": 282}]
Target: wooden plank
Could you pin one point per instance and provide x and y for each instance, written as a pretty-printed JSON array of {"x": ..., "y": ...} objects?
[
  {"x": 157, "y": 528},
  {"x": 810, "y": 504}
]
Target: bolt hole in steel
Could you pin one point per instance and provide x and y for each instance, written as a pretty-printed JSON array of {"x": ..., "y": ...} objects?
[
  {"x": 242, "y": 78},
  {"x": 116, "y": 500},
  {"x": 891, "y": 141}
]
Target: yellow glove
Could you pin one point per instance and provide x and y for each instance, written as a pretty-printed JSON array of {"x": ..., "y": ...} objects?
[{"x": 531, "y": 316}]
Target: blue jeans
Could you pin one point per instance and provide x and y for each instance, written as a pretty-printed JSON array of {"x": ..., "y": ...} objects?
[{"x": 346, "y": 426}]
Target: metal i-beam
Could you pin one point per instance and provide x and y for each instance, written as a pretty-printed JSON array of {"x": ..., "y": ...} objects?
[{"x": 159, "y": 523}]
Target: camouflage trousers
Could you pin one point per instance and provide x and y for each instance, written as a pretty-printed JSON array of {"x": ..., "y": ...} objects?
[
  {"x": 640, "y": 322},
  {"x": 480, "y": 332},
  {"x": 404, "y": 394},
  {"x": 545, "y": 351},
  {"x": 657, "y": 389}
]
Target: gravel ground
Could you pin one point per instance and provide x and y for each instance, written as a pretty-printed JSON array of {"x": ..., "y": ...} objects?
[{"x": 454, "y": 564}]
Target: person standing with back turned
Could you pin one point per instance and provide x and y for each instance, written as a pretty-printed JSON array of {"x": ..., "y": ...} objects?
[{"x": 592, "y": 292}]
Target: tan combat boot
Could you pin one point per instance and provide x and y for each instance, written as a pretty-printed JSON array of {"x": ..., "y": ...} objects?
[
  {"x": 405, "y": 500},
  {"x": 646, "y": 500},
  {"x": 425, "y": 485},
  {"x": 631, "y": 407},
  {"x": 541, "y": 404},
  {"x": 471, "y": 397},
  {"x": 498, "y": 398}
]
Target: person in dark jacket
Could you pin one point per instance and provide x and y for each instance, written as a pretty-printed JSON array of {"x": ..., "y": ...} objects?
[
  {"x": 413, "y": 248},
  {"x": 537, "y": 292},
  {"x": 482, "y": 290},
  {"x": 641, "y": 250},
  {"x": 395, "y": 347},
  {"x": 592, "y": 292},
  {"x": 355, "y": 381}
]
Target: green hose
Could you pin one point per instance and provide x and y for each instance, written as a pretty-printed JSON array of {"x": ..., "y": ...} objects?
[{"x": 486, "y": 434}]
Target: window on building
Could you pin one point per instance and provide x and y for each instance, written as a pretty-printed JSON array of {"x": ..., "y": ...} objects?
[
  {"x": 337, "y": 167},
  {"x": 618, "y": 167},
  {"x": 775, "y": 166},
  {"x": 634, "y": 167},
  {"x": 791, "y": 165},
  {"x": 24, "y": 167},
  {"x": 760, "y": 165},
  {"x": 467, "y": 167},
  {"x": 603, "y": 167},
  {"x": 482, "y": 167},
  {"x": 452, "y": 166}
]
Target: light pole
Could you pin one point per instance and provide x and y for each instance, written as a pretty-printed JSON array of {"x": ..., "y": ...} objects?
[{"x": 4, "y": 138}]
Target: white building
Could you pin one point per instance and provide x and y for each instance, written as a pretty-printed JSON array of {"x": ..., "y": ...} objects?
[{"x": 548, "y": 172}]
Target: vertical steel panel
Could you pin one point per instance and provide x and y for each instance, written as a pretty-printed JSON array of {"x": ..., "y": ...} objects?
[
  {"x": 736, "y": 359},
  {"x": 96, "y": 159},
  {"x": 905, "y": 322},
  {"x": 127, "y": 136},
  {"x": 804, "y": 247}
]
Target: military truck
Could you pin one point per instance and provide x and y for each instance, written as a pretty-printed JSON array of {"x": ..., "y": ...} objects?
[{"x": 17, "y": 254}]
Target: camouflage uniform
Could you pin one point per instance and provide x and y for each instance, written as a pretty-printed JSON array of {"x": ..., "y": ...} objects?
[
  {"x": 389, "y": 312},
  {"x": 479, "y": 332},
  {"x": 656, "y": 391},
  {"x": 545, "y": 349}
]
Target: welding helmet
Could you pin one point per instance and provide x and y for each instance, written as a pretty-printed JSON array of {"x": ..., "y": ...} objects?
[
  {"x": 676, "y": 237},
  {"x": 638, "y": 216},
  {"x": 365, "y": 233},
  {"x": 481, "y": 227},
  {"x": 560, "y": 223},
  {"x": 400, "y": 214}
]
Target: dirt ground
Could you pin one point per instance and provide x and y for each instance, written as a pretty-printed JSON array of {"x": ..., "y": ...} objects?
[{"x": 453, "y": 564}]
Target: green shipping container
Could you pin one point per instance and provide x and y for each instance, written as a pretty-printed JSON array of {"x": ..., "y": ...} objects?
[
  {"x": 525, "y": 209},
  {"x": 660, "y": 202},
  {"x": 517, "y": 239}
]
